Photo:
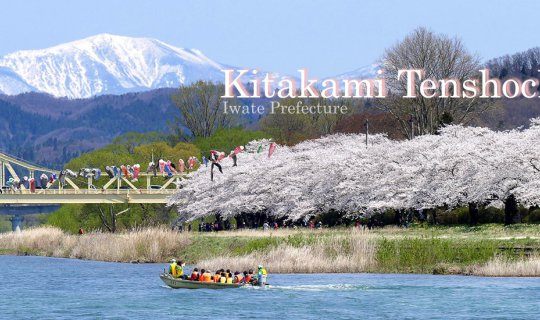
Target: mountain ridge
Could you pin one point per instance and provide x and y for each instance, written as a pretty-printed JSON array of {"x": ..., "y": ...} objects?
[
  {"x": 105, "y": 64},
  {"x": 111, "y": 64}
]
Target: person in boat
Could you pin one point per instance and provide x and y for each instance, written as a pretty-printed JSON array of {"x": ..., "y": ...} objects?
[
  {"x": 195, "y": 275},
  {"x": 223, "y": 278},
  {"x": 238, "y": 277},
  {"x": 262, "y": 275},
  {"x": 206, "y": 276},
  {"x": 251, "y": 277},
  {"x": 175, "y": 269},
  {"x": 245, "y": 274},
  {"x": 228, "y": 275},
  {"x": 216, "y": 277}
]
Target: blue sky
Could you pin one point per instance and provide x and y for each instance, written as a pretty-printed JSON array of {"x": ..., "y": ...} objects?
[{"x": 327, "y": 37}]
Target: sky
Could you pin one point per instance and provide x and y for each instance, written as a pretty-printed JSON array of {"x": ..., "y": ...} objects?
[{"x": 326, "y": 37}]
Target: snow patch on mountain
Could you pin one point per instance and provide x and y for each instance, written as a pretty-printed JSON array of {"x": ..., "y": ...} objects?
[
  {"x": 11, "y": 83},
  {"x": 108, "y": 64}
]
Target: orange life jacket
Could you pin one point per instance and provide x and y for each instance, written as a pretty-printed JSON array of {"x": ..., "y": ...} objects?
[
  {"x": 195, "y": 276},
  {"x": 238, "y": 278},
  {"x": 248, "y": 278},
  {"x": 206, "y": 277},
  {"x": 216, "y": 277}
]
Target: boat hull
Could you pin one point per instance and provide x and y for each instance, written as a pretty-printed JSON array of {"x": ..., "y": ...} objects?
[{"x": 188, "y": 284}]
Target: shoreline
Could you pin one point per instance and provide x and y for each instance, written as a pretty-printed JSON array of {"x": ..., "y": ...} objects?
[
  {"x": 17, "y": 254},
  {"x": 500, "y": 252}
]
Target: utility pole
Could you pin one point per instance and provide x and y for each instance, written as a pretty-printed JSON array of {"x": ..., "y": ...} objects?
[
  {"x": 367, "y": 131},
  {"x": 412, "y": 127}
]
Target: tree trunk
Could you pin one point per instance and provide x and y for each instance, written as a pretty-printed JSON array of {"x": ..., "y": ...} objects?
[
  {"x": 510, "y": 209},
  {"x": 434, "y": 216},
  {"x": 104, "y": 220},
  {"x": 473, "y": 213},
  {"x": 397, "y": 217},
  {"x": 113, "y": 221}
]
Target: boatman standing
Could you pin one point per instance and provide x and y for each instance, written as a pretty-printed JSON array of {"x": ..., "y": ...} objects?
[
  {"x": 176, "y": 269},
  {"x": 262, "y": 275}
]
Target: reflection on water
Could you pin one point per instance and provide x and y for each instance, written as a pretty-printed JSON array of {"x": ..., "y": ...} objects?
[{"x": 37, "y": 287}]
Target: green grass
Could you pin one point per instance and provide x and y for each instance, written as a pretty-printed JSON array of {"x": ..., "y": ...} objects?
[
  {"x": 436, "y": 255},
  {"x": 205, "y": 246}
]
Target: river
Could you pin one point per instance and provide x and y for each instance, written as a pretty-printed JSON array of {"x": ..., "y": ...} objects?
[{"x": 51, "y": 288}]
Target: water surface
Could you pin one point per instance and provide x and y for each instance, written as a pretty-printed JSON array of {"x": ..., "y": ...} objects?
[{"x": 50, "y": 288}]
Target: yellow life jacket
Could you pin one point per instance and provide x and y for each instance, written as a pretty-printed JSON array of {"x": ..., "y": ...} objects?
[
  {"x": 222, "y": 280},
  {"x": 263, "y": 272},
  {"x": 229, "y": 280},
  {"x": 180, "y": 270},
  {"x": 172, "y": 269}
]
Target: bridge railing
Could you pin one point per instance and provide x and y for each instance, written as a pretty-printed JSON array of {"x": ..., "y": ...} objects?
[{"x": 90, "y": 191}]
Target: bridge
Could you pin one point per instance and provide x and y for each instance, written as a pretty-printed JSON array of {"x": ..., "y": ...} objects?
[
  {"x": 27, "y": 198},
  {"x": 118, "y": 189}
]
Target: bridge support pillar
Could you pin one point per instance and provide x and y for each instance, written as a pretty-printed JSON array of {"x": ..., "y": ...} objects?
[
  {"x": 16, "y": 222},
  {"x": 2, "y": 174}
]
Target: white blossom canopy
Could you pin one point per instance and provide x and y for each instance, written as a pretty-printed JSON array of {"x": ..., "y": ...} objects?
[{"x": 338, "y": 172}]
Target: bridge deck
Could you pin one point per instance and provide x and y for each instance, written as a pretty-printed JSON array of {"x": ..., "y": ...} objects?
[{"x": 67, "y": 196}]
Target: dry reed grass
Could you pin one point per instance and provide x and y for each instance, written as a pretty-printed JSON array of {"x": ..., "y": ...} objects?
[
  {"x": 259, "y": 233},
  {"x": 147, "y": 245},
  {"x": 503, "y": 267},
  {"x": 352, "y": 252}
]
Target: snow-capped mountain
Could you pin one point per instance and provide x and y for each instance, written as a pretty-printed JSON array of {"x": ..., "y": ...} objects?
[
  {"x": 104, "y": 64},
  {"x": 110, "y": 64}
]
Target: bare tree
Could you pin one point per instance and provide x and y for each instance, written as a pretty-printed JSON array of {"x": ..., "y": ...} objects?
[
  {"x": 440, "y": 57},
  {"x": 522, "y": 64},
  {"x": 110, "y": 225},
  {"x": 201, "y": 108}
]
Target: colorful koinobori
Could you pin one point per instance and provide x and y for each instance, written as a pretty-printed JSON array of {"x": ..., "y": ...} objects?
[{"x": 166, "y": 168}]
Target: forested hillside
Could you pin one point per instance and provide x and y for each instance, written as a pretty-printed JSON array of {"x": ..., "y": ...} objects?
[{"x": 51, "y": 131}]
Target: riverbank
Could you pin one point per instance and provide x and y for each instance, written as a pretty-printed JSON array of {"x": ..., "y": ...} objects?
[{"x": 489, "y": 250}]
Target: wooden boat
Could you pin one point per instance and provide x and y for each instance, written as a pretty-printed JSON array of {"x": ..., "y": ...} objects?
[{"x": 188, "y": 284}]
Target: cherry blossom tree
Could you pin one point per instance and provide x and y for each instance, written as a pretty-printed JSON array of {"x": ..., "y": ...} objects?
[{"x": 458, "y": 166}]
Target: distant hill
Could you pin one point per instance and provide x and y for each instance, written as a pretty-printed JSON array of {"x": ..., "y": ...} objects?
[
  {"x": 49, "y": 130},
  {"x": 516, "y": 112}
]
